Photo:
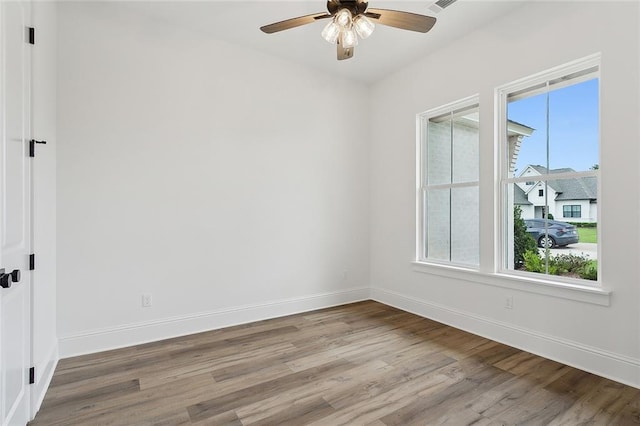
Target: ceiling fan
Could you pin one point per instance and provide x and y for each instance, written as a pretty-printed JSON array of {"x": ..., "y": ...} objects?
[{"x": 353, "y": 18}]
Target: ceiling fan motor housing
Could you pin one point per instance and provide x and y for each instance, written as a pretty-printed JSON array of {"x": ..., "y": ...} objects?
[{"x": 354, "y": 6}]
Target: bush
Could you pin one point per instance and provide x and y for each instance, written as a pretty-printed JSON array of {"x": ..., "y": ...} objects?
[
  {"x": 562, "y": 264},
  {"x": 590, "y": 271},
  {"x": 571, "y": 263},
  {"x": 533, "y": 261},
  {"x": 585, "y": 224},
  {"x": 522, "y": 242}
]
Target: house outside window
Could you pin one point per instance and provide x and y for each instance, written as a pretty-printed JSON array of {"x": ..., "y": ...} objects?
[
  {"x": 561, "y": 154},
  {"x": 448, "y": 185}
]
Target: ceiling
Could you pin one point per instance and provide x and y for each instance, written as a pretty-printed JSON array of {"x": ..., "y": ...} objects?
[{"x": 386, "y": 51}]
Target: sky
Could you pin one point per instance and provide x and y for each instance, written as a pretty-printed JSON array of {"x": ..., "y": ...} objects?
[{"x": 573, "y": 127}]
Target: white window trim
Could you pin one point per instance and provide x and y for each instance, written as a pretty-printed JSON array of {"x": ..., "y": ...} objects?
[
  {"x": 421, "y": 118},
  {"x": 500, "y": 218},
  {"x": 526, "y": 282}
]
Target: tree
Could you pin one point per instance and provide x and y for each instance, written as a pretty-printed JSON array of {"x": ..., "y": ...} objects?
[
  {"x": 522, "y": 242},
  {"x": 595, "y": 167}
]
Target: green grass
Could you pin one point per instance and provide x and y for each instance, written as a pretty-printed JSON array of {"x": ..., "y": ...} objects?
[{"x": 588, "y": 235}]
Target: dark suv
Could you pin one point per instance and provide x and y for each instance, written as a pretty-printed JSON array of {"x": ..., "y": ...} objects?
[{"x": 556, "y": 233}]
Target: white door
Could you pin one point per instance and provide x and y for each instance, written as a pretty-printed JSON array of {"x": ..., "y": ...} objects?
[{"x": 15, "y": 217}]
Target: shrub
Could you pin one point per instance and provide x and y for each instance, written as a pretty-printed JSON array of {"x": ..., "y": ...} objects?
[
  {"x": 571, "y": 263},
  {"x": 585, "y": 224},
  {"x": 522, "y": 242},
  {"x": 590, "y": 271},
  {"x": 562, "y": 264},
  {"x": 533, "y": 261}
]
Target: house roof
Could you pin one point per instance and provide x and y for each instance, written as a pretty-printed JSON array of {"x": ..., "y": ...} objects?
[
  {"x": 515, "y": 128},
  {"x": 519, "y": 197},
  {"x": 581, "y": 188},
  {"x": 543, "y": 170}
]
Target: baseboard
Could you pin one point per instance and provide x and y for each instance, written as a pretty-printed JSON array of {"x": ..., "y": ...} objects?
[
  {"x": 613, "y": 366},
  {"x": 44, "y": 374},
  {"x": 150, "y": 331}
]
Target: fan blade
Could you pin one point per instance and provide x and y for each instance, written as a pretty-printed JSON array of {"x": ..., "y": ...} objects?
[
  {"x": 404, "y": 20},
  {"x": 344, "y": 53},
  {"x": 293, "y": 22}
]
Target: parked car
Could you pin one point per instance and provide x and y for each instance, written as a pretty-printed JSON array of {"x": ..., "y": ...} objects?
[{"x": 556, "y": 233}]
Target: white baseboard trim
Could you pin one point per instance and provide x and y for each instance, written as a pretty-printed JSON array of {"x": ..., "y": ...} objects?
[
  {"x": 165, "y": 328},
  {"x": 613, "y": 366},
  {"x": 44, "y": 375}
]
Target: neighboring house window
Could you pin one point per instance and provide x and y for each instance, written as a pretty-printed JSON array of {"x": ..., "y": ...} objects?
[
  {"x": 572, "y": 211},
  {"x": 448, "y": 184},
  {"x": 562, "y": 105},
  {"x": 529, "y": 183}
]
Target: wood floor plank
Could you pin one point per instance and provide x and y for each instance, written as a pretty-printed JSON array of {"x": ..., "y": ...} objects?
[
  {"x": 358, "y": 364},
  {"x": 340, "y": 382},
  {"x": 252, "y": 393},
  {"x": 430, "y": 406}
]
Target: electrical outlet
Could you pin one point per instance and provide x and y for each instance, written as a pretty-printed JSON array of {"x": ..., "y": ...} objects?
[
  {"x": 147, "y": 300},
  {"x": 508, "y": 302}
]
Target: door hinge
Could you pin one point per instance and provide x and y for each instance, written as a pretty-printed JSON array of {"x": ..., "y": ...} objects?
[
  {"x": 32, "y": 35},
  {"x": 32, "y": 146},
  {"x": 32, "y": 262},
  {"x": 32, "y": 375}
]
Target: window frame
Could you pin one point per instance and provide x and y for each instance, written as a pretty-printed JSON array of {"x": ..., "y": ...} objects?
[
  {"x": 581, "y": 68},
  {"x": 422, "y": 120}
]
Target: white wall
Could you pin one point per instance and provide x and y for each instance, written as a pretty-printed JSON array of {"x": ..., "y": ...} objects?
[
  {"x": 44, "y": 338},
  {"x": 229, "y": 184},
  {"x": 538, "y": 36}
]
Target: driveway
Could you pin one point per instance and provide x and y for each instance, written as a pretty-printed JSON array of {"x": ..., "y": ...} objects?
[{"x": 581, "y": 249}]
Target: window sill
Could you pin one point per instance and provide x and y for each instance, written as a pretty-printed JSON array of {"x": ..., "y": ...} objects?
[{"x": 580, "y": 293}]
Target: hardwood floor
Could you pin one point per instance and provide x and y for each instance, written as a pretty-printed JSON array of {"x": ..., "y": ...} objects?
[{"x": 364, "y": 363}]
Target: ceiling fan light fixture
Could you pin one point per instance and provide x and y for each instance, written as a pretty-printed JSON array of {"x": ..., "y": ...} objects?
[
  {"x": 363, "y": 25},
  {"x": 331, "y": 32},
  {"x": 353, "y": 19},
  {"x": 348, "y": 38},
  {"x": 343, "y": 18}
]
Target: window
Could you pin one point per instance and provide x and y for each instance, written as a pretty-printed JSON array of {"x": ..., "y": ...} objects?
[
  {"x": 448, "y": 191},
  {"x": 529, "y": 183},
  {"x": 560, "y": 109},
  {"x": 572, "y": 211}
]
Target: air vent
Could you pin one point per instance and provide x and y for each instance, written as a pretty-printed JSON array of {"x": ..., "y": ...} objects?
[{"x": 440, "y": 5}]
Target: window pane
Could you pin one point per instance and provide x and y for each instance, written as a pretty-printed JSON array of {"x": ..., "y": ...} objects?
[
  {"x": 572, "y": 211},
  {"x": 439, "y": 151},
  {"x": 438, "y": 225},
  {"x": 527, "y": 136},
  {"x": 450, "y": 157},
  {"x": 573, "y": 127},
  {"x": 465, "y": 226},
  {"x": 569, "y": 233},
  {"x": 466, "y": 143},
  {"x": 553, "y": 129}
]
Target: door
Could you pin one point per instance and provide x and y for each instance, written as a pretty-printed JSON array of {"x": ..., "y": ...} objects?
[{"x": 15, "y": 212}]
